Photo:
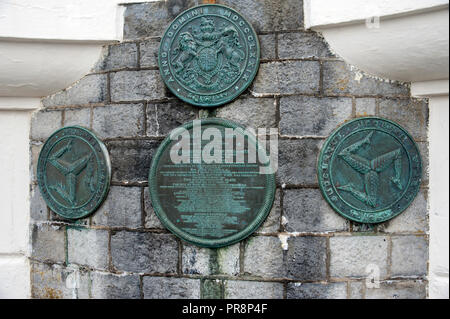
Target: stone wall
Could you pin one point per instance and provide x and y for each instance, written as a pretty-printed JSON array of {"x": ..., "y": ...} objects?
[{"x": 304, "y": 249}]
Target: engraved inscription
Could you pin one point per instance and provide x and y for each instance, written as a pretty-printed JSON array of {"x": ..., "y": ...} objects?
[{"x": 210, "y": 204}]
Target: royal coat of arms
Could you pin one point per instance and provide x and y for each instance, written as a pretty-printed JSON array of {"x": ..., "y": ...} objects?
[{"x": 209, "y": 55}]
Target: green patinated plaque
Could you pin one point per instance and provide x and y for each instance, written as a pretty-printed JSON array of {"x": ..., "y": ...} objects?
[
  {"x": 73, "y": 172},
  {"x": 370, "y": 170},
  {"x": 209, "y": 55},
  {"x": 205, "y": 185}
]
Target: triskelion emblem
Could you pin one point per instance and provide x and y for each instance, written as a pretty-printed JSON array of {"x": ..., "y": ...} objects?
[
  {"x": 73, "y": 172},
  {"x": 370, "y": 170}
]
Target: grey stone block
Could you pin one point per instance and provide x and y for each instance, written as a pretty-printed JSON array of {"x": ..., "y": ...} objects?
[
  {"x": 124, "y": 120},
  {"x": 149, "y": 53},
  {"x": 144, "y": 252},
  {"x": 302, "y": 45},
  {"x": 253, "y": 290},
  {"x": 118, "y": 56},
  {"x": 88, "y": 247},
  {"x": 268, "y": 44},
  {"x": 289, "y": 77},
  {"x": 425, "y": 154},
  {"x": 409, "y": 256},
  {"x": 78, "y": 222},
  {"x": 202, "y": 261},
  {"x": 305, "y": 210},
  {"x": 306, "y": 258},
  {"x": 48, "y": 243},
  {"x": 196, "y": 260},
  {"x": 131, "y": 159},
  {"x": 57, "y": 282},
  {"x": 356, "y": 290},
  {"x": 38, "y": 207},
  {"x": 137, "y": 86},
  {"x": 339, "y": 79},
  {"x": 151, "y": 220},
  {"x": 162, "y": 118},
  {"x": 413, "y": 220},
  {"x": 171, "y": 288},
  {"x": 264, "y": 257},
  {"x": 251, "y": 112},
  {"x": 297, "y": 161},
  {"x": 109, "y": 286},
  {"x": 412, "y": 114},
  {"x": 366, "y": 107},
  {"x": 311, "y": 116},
  {"x": 35, "y": 150},
  {"x": 398, "y": 290},
  {"x": 317, "y": 291},
  {"x": 351, "y": 256},
  {"x": 44, "y": 123},
  {"x": 79, "y": 117},
  {"x": 90, "y": 89},
  {"x": 273, "y": 221},
  {"x": 363, "y": 228},
  {"x": 122, "y": 208},
  {"x": 228, "y": 260},
  {"x": 211, "y": 289},
  {"x": 152, "y": 18},
  {"x": 269, "y": 15}
]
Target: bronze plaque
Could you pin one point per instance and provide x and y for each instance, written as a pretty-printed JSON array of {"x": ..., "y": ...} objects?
[
  {"x": 370, "y": 170},
  {"x": 74, "y": 172},
  {"x": 209, "y": 55},
  {"x": 206, "y": 186}
]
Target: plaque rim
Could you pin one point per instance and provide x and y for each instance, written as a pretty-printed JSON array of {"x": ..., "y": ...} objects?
[
  {"x": 242, "y": 89},
  {"x": 209, "y": 243},
  {"x": 106, "y": 187},
  {"x": 320, "y": 177}
]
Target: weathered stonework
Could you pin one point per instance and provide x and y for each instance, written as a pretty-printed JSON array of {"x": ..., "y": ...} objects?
[
  {"x": 303, "y": 250},
  {"x": 317, "y": 291}
]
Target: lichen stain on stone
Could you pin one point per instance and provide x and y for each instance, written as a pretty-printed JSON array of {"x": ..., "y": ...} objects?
[
  {"x": 342, "y": 84},
  {"x": 52, "y": 293}
]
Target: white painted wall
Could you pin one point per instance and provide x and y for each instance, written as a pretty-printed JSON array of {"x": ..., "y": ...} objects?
[
  {"x": 36, "y": 68},
  {"x": 14, "y": 203},
  {"x": 62, "y": 19},
  {"x": 439, "y": 202},
  {"x": 330, "y": 12},
  {"x": 408, "y": 48}
]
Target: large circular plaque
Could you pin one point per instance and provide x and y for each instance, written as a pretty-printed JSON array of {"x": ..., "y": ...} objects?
[
  {"x": 205, "y": 185},
  {"x": 370, "y": 170},
  {"x": 73, "y": 172},
  {"x": 209, "y": 55}
]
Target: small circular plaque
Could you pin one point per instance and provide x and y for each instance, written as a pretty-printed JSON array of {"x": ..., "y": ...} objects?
[
  {"x": 370, "y": 170},
  {"x": 73, "y": 172},
  {"x": 209, "y": 55},
  {"x": 206, "y": 186}
]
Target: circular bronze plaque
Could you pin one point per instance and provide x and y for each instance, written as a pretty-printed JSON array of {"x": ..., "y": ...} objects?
[
  {"x": 205, "y": 185},
  {"x": 209, "y": 55},
  {"x": 370, "y": 170},
  {"x": 73, "y": 172}
]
